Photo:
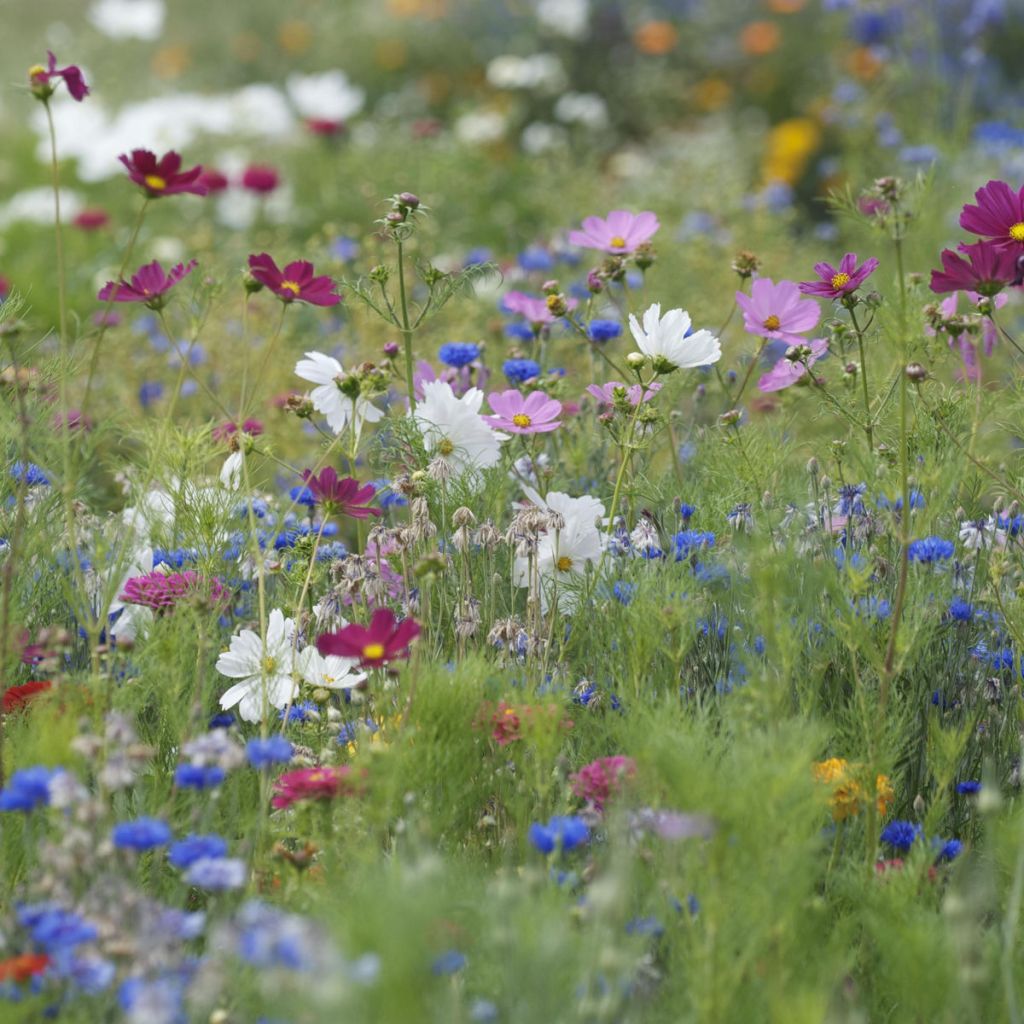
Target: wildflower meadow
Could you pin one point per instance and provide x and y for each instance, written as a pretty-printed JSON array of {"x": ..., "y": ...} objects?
[{"x": 512, "y": 511}]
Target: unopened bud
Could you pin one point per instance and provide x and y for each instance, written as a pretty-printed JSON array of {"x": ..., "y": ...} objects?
[
  {"x": 636, "y": 360},
  {"x": 728, "y": 419},
  {"x": 916, "y": 372}
]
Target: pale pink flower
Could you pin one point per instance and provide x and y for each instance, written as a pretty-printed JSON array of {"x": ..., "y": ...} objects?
[
  {"x": 534, "y": 413},
  {"x": 788, "y": 371},
  {"x": 619, "y": 234},
  {"x": 778, "y": 310}
]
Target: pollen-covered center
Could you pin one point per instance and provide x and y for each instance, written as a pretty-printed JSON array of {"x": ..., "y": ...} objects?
[
  {"x": 772, "y": 323},
  {"x": 1017, "y": 231},
  {"x": 445, "y": 446},
  {"x": 36, "y": 71},
  {"x": 290, "y": 286},
  {"x": 269, "y": 664},
  {"x": 155, "y": 182},
  {"x": 617, "y": 242},
  {"x": 521, "y": 419},
  {"x": 840, "y": 280},
  {"x": 564, "y": 563},
  {"x": 373, "y": 651}
]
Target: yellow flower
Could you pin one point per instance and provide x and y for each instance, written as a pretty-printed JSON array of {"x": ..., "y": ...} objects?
[
  {"x": 847, "y": 799},
  {"x": 791, "y": 144}
]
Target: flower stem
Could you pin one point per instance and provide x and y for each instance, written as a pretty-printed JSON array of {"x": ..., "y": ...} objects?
[
  {"x": 406, "y": 329},
  {"x": 868, "y": 425}
]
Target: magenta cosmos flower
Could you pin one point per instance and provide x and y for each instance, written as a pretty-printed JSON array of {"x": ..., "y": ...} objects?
[
  {"x": 533, "y": 309},
  {"x": 988, "y": 269},
  {"x": 150, "y": 284},
  {"x": 385, "y": 639},
  {"x": 534, "y": 413},
  {"x": 341, "y": 495},
  {"x": 296, "y": 283},
  {"x": 777, "y": 311},
  {"x": 788, "y": 371},
  {"x": 835, "y": 282},
  {"x": 163, "y": 177},
  {"x": 999, "y": 215},
  {"x": 619, "y": 234},
  {"x": 161, "y": 593},
  {"x": 324, "y": 783},
  {"x": 42, "y": 78},
  {"x": 598, "y": 781},
  {"x": 260, "y": 178}
]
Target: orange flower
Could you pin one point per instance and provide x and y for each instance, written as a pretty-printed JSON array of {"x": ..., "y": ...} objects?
[
  {"x": 711, "y": 93},
  {"x": 863, "y": 64},
  {"x": 656, "y": 38},
  {"x": 786, "y": 6},
  {"x": 847, "y": 799},
  {"x": 829, "y": 771},
  {"x": 22, "y": 968},
  {"x": 760, "y": 37}
]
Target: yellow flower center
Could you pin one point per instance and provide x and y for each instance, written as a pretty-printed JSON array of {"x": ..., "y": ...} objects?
[
  {"x": 445, "y": 447},
  {"x": 36, "y": 69},
  {"x": 155, "y": 182},
  {"x": 1017, "y": 232},
  {"x": 840, "y": 280},
  {"x": 564, "y": 563},
  {"x": 269, "y": 664},
  {"x": 772, "y": 323},
  {"x": 373, "y": 651},
  {"x": 617, "y": 242},
  {"x": 290, "y": 286},
  {"x": 521, "y": 419}
]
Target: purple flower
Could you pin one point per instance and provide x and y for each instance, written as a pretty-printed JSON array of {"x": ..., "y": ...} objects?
[
  {"x": 534, "y": 413},
  {"x": 163, "y": 176},
  {"x": 988, "y": 269},
  {"x": 217, "y": 873},
  {"x": 41, "y": 79},
  {"x": 618, "y": 234},
  {"x": 999, "y": 216},
  {"x": 298, "y": 281},
  {"x": 837, "y": 282},
  {"x": 777, "y": 311},
  {"x": 533, "y": 309},
  {"x": 149, "y": 285},
  {"x": 793, "y": 365}
]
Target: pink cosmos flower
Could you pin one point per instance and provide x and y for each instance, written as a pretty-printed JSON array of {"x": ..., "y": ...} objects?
[
  {"x": 535, "y": 310},
  {"x": 72, "y": 76},
  {"x": 297, "y": 282},
  {"x": 213, "y": 180},
  {"x": 788, "y": 371},
  {"x": 342, "y": 496},
  {"x": 385, "y": 639},
  {"x": 605, "y": 393},
  {"x": 91, "y": 219},
  {"x": 619, "y": 234},
  {"x": 162, "y": 177},
  {"x": 777, "y": 311},
  {"x": 999, "y": 215},
  {"x": 324, "y": 783},
  {"x": 838, "y": 282},
  {"x": 598, "y": 781},
  {"x": 325, "y": 126},
  {"x": 225, "y": 431},
  {"x": 989, "y": 332},
  {"x": 161, "y": 593},
  {"x": 149, "y": 285},
  {"x": 534, "y": 413},
  {"x": 260, "y": 178},
  {"x": 988, "y": 269}
]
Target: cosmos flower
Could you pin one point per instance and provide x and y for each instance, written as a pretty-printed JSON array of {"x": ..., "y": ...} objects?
[
  {"x": 534, "y": 413},
  {"x": 162, "y": 177},
  {"x": 149, "y": 285},
  {"x": 619, "y": 234},
  {"x": 385, "y": 639},
  {"x": 598, "y": 781},
  {"x": 263, "y": 671},
  {"x": 988, "y": 269},
  {"x": 260, "y": 178},
  {"x": 454, "y": 430},
  {"x": 332, "y": 672},
  {"x": 328, "y": 398},
  {"x": 324, "y": 783},
  {"x": 787, "y": 371},
  {"x": 777, "y": 311},
  {"x": 296, "y": 283},
  {"x": 838, "y": 282},
  {"x": 42, "y": 78},
  {"x": 532, "y": 309},
  {"x": 998, "y": 216},
  {"x": 669, "y": 341},
  {"x": 342, "y": 496}
]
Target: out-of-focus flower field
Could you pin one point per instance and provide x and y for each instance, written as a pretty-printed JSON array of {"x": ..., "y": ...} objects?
[{"x": 512, "y": 511}]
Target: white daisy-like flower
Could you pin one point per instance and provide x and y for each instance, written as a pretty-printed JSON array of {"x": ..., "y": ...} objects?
[
  {"x": 327, "y": 399},
  {"x": 328, "y": 96},
  {"x": 231, "y": 471},
  {"x": 332, "y": 672},
  {"x": 665, "y": 341},
  {"x": 129, "y": 19},
  {"x": 263, "y": 669},
  {"x": 454, "y": 430}
]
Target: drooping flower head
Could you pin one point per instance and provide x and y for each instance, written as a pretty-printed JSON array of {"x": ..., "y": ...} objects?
[
  {"x": 988, "y": 269},
  {"x": 341, "y": 495},
  {"x": 671, "y": 343},
  {"x": 517, "y": 413},
  {"x": 837, "y": 282},
  {"x": 793, "y": 365},
  {"x": 385, "y": 639},
  {"x": 41, "y": 79},
  {"x": 777, "y": 310},
  {"x": 998, "y": 216},
  {"x": 335, "y": 397},
  {"x": 149, "y": 285},
  {"x": 163, "y": 176},
  {"x": 296, "y": 283},
  {"x": 618, "y": 234}
]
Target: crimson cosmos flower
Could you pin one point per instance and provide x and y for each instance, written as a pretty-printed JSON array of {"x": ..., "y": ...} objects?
[
  {"x": 41, "y": 79},
  {"x": 384, "y": 640},
  {"x": 149, "y": 284},
  {"x": 296, "y": 282},
  {"x": 162, "y": 177},
  {"x": 988, "y": 269},
  {"x": 999, "y": 215},
  {"x": 260, "y": 178},
  {"x": 839, "y": 281},
  {"x": 324, "y": 783},
  {"x": 341, "y": 495}
]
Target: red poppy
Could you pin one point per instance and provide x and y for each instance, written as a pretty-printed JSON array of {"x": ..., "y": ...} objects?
[{"x": 385, "y": 639}]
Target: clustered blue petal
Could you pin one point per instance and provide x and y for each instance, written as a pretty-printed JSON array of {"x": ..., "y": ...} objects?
[
  {"x": 185, "y": 852},
  {"x": 141, "y": 834},
  {"x": 603, "y": 330},
  {"x": 519, "y": 371},
  {"x": 930, "y": 549},
  {"x": 458, "y": 353},
  {"x": 28, "y": 788},
  {"x": 273, "y": 750},
  {"x": 562, "y": 832},
  {"x": 901, "y": 835},
  {"x": 196, "y": 776}
]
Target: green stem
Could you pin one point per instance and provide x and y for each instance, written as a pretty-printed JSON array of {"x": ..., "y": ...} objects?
[
  {"x": 868, "y": 426},
  {"x": 406, "y": 329}
]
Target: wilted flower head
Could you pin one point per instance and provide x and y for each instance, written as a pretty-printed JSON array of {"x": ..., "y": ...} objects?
[{"x": 41, "y": 79}]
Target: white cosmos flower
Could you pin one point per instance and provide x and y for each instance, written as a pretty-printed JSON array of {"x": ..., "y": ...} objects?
[
  {"x": 231, "y": 471},
  {"x": 329, "y": 96},
  {"x": 329, "y": 673},
  {"x": 454, "y": 430},
  {"x": 339, "y": 409},
  {"x": 664, "y": 340},
  {"x": 129, "y": 19},
  {"x": 263, "y": 670}
]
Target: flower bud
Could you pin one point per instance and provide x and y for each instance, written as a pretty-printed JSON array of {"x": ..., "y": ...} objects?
[
  {"x": 408, "y": 199},
  {"x": 595, "y": 285},
  {"x": 250, "y": 284},
  {"x": 636, "y": 360},
  {"x": 745, "y": 264},
  {"x": 916, "y": 373},
  {"x": 728, "y": 419},
  {"x": 391, "y": 349}
]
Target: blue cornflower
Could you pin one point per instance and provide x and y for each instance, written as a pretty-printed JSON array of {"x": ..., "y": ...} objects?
[
  {"x": 28, "y": 788},
  {"x": 519, "y": 331},
  {"x": 458, "y": 353},
  {"x": 185, "y": 852},
  {"x": 686, "y": 512},
  {"x": 195, "y": 776},
  {"x": 563, "y": 832},
  {"x": 141, "y": 834},
  {"x": 960, "y": 610},
  {"x": 149, "y": 392},
  {"x": 686, "y": 542},
  {"x": 930, "y": 549},
  {"x": 968, "y": 787},
  {"x": 519, "y": 371},
  {"x": 217, "y": 874},
  {"x": 477, "y": 256},
  {"x": 300, "y": 712},
  {"x": 603, "y": 330},
  {"x": 449, "y": 962},
  {"x": 851, "y": 500},
  {"x": 302, "y": 496},
  {"x": 535, "y": 258},
  {"x": 624, "y": 592},
  {"x": 30, "y": 473},
  {"x": 901, "y": 835},
  {"x": 948, "y": 850},
  {"x": 55, "y": 928},
  {"x": 271, "y": 938},
  {"x": 873, "y": 607},
  {"x": 916, "y": 501},
  {"x": 273, "y": 750},
  {"x": 344, "y": 248},
  {"x": 91, "y": 974},
  {"x": 645, "y": 926},
  {"x": 223, "y": 720}
]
